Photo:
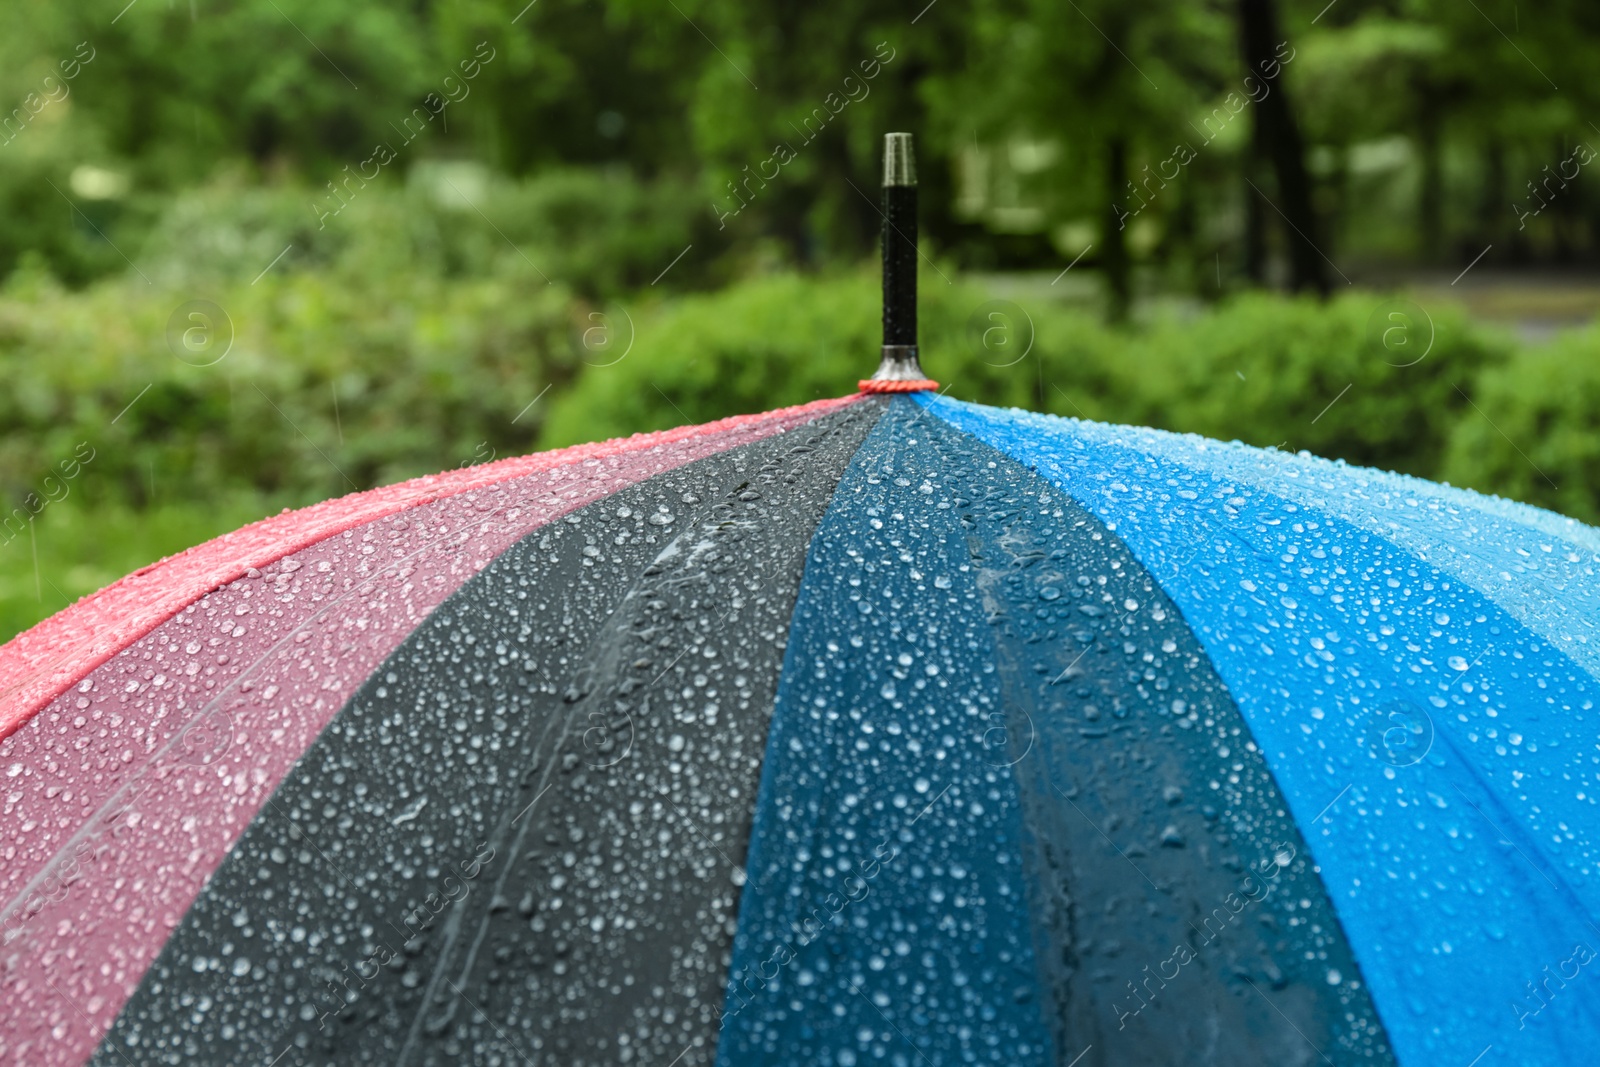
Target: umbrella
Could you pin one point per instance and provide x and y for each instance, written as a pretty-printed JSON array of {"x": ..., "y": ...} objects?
[{"x": 884, "y": 730}]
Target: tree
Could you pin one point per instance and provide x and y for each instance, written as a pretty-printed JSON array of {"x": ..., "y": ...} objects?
[
  {"x": 1275, "y": 139},
  {"x": 1114, "y": 85}
]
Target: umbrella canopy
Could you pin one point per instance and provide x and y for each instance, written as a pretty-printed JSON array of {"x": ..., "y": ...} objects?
[{"x": 882, "y": 730}]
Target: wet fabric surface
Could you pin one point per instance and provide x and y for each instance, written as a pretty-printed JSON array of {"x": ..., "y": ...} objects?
[
  {"x": 1438, "y": 755},
  {"x": 526, "y": 831},
  {"x": 1542, "y": 568},
  {"x": 886, "y": 916},
  {"x": 123, "y": 794},
  {"x": 1009, "y": 814},
  {"x": 1183, "y": 917},
  {"x": 1088, "y": 745}
]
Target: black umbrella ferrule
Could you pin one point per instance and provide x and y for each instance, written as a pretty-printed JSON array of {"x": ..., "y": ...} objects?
[{"x": 900, "y": 370}]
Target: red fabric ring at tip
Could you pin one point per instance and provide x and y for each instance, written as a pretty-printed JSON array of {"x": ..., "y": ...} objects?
[{"x": 871, "y": 385}]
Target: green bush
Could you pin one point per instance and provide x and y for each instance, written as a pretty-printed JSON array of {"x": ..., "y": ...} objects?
[
  {"x": 1535, "y": 433},
  {"x": 601, "y": 232},
  {"x": 757, "y": 345},
  {"x": 44, "y": 221},
  {"x": 330, "y": 385},
  {"x": 1300, "y": 374},
  {"x": 1297, "y": 374}
]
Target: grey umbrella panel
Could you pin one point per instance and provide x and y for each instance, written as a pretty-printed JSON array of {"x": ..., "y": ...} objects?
[{"x": 536, "y": 810}]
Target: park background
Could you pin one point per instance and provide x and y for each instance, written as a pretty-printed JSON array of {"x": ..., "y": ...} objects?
[{"x": 254, "y": 254}]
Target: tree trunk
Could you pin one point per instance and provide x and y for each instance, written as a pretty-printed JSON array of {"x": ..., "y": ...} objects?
[
  {"x": 1113, "y": 239},
  {"x": 1263, "y": 45},
  {"x": 1566, "y": 204},
  {"x": 1255, "y": 208},
  {"x": 1492, "y": 204},
  {"x": 1430, "y": 203}
]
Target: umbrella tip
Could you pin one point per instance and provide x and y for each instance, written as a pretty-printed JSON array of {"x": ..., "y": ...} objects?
[
  {"x": 899, "y": 370},
  {"x": 899, "y": 163}
]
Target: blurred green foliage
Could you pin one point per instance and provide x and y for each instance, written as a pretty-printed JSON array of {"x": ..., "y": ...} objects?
[
  {"x": 446, "y": 230},
  {"x": 1421, "y": 122},
  {"x": 1533, "y": 434},
  {"x": 334, "y": 380},
  {"x": 339, "y": 380}
]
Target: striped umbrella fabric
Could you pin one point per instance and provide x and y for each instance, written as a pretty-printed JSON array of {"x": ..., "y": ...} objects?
[{"x": 884, "y": 730}]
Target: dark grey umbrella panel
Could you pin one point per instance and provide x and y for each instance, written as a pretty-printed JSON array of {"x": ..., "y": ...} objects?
[{"x": 536, "y": 811}]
